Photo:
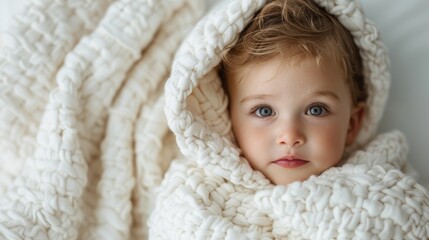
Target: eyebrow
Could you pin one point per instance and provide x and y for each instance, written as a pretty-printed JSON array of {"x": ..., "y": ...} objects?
[
  {"x": 254, "y": 97},
  {"x": 327, "y": 94},
  {"x": 318, "y": 93}
]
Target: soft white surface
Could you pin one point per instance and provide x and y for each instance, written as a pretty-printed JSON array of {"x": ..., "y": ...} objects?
[
  {"x": 405, "y": 31},
  {"x": 7, "y": 10}
]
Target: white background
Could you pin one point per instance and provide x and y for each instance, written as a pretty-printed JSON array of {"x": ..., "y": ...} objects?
[{"x": 404, "y": 27}]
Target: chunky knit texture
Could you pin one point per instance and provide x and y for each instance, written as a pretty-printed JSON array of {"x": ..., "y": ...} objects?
[
  {"x": 212, "y": 192},
  {"x": 81, "y": 116}
]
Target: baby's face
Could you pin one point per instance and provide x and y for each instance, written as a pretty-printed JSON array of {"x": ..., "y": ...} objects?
[{"x": 291, "y": 121}]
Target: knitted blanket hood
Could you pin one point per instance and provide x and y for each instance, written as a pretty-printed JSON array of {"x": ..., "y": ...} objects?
[{"x": 213, "y": 193}]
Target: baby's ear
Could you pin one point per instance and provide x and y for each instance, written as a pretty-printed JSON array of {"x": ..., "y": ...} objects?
[{"x": 355, "y": 123}]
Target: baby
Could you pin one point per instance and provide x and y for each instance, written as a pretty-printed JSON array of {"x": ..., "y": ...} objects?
[
  {"x": 296, "y": 91},
  {"x": 275, "y": 105}
]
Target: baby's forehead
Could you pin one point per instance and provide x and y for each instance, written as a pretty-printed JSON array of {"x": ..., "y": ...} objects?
[
  {"x": 279, "y": 62},
  {"x": 306, "y": 73}
]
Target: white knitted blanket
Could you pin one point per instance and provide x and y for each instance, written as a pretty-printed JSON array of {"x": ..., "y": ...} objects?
[
  {"x": 81, "y": 116},
  {"x": 213, "y": 193}
]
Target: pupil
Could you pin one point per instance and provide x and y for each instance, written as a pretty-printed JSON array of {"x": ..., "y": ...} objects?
[
  {"x": 266, "y": 111},
  {"x": 315, "y": 110}
]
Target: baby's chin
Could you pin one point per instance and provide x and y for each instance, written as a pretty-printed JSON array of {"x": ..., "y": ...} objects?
[{"x": 285, "y": 180}]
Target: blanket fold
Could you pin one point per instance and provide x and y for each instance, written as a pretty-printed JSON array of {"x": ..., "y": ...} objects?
[
  {"x": 31, "y": 54},
  {"x": 84, "y": 173}
]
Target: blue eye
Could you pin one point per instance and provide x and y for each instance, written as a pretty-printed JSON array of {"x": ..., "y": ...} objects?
[
  {"x": 264, "y": 112},
  {"x": 317, "y": 110}
]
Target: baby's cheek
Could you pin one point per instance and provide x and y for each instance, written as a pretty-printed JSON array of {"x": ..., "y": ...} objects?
[
  {"x": 253, "y": 145},
  {"x": 250, "y": 140},
  {"x": 332, "y": 141}
]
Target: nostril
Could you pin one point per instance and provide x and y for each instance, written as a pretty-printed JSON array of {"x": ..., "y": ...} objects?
[
  {"x": 298, "y": 142},
  {"x": 291, "y": 140}
]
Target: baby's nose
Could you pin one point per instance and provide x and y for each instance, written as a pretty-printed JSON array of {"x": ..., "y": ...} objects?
[{"x": 291, "y": 137}]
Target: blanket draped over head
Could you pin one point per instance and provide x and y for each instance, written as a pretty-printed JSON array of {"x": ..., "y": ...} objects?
[
  {"x": 213, "y": 193},
  {"x": 82, "y": 123}
]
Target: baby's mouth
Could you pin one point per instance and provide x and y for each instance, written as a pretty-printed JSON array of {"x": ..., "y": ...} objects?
[{"x": 290, "y": 162}]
